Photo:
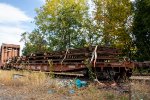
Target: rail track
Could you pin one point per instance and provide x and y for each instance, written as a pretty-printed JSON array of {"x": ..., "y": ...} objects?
[
  {"x": 139, "y": 74},
  {"x": 140, "y": 78}
]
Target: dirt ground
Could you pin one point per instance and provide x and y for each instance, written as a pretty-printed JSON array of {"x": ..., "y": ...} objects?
[{"x": 88, "y": 93}]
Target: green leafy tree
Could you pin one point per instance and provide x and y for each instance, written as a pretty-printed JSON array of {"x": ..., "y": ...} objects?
[
  {"x": 67, "y": 24},
  {"x": 34, "y": 42},
  {"x": 89, "y": 32},
  {"x": 61, "y": 22},
  {"x": 113, "y": 20},
  {"x": 141, "y": 29}
]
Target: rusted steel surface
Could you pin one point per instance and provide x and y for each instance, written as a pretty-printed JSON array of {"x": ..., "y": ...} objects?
[
  {"x": 142, "y": 64},
  {"x": 8, "y": 51},
  {"x": 104, "y": 60},
  {"x": 0, "y": 63},
  {"x": 72, "y": 59}
]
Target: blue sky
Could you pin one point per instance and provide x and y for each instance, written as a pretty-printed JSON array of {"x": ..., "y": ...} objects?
[{"x": 15, "y": 18}]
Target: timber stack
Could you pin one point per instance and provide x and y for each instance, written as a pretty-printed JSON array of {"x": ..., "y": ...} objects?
[{"x": 103, "y": 61}]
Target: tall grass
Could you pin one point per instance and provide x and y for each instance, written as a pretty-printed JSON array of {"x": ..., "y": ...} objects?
[
  {"x": 37, "y": 85},
  {"x": 22, "y": 78},
  {"x": 140, "y": 90}
]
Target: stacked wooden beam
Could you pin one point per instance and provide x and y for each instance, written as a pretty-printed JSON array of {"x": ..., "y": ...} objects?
[{"x": 71, "y": 59}]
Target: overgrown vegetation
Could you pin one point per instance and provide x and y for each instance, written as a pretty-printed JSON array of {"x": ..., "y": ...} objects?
[
  {"x": 13, "y": 78},
  {"x": 66, "y": 24},
  {"x": 140, "y": 90},
  {"x": 141, "y": 29},
  {"x": 50, "y": 62},
  {"x": 63, "y": 24},
  {"x": 38, "y": 86}
]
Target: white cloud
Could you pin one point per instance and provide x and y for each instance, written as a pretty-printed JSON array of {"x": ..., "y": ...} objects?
[
  {"x": 13, "y": 22},
  {"x": 10, "y": 14},
  {"x": 13, "y": 37}
]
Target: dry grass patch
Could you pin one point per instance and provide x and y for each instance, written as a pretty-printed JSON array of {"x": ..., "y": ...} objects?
[
  {"x": 21, "y": 78},
  {"x": 140, "y": 90},
  {"x": 38, "y": 86},
  {"x": 93, "y": 93}
]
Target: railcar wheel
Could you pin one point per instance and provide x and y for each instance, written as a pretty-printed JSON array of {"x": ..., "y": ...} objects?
[
  {"x": 111, "y": 74},
  {"x": 123, "y": 76}
]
